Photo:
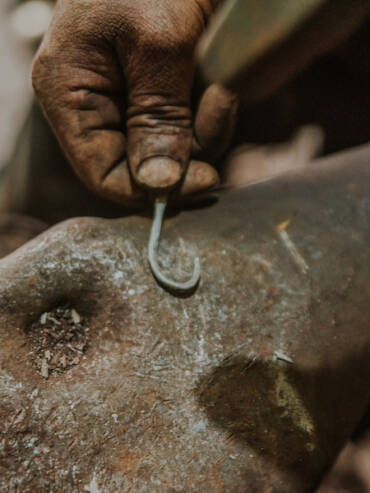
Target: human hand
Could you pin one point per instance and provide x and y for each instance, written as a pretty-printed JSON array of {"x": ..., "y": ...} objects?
[{"x": 115, "y": 80}]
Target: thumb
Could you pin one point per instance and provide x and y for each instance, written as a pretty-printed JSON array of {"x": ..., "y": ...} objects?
[{"x": 158, "y": 120}]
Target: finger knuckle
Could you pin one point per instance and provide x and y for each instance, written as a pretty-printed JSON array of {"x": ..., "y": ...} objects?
[
  {"x": 151, "y": 112},
  {"x": 35, "y": 75},
  {"x": 40, "y": 72}
]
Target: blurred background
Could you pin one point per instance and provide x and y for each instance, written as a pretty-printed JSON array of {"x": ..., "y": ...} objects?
[
  {"x": 21, "y": 27},
  {"x": 330, "y": 101}
]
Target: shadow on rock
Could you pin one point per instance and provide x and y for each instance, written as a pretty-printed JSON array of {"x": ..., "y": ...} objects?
[{"x": 285, "y": 414}]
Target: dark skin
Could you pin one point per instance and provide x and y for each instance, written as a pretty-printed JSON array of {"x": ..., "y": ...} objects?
[{"x": 115, "y": 80}]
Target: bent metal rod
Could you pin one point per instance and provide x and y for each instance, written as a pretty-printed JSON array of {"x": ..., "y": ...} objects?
[{"x": 169, "y": 284}]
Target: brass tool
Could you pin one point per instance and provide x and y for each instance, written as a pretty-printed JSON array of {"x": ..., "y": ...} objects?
[
  {"x": 244, "y": 31},
  {"x": 254, "y": 46}
]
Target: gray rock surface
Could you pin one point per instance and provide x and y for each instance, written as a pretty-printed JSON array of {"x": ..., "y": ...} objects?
[{"x": 253, "y": 383}]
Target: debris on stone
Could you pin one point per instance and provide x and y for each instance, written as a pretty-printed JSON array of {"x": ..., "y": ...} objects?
[
  {"x": 282, "y": 226},
  {"x": 278, "y": 354},
  {"x": 58, "y": 340},
  {"x": 291, "y": 247},
  {"x": 44, "y": 368},
  {"x": 75, "y": 316}
]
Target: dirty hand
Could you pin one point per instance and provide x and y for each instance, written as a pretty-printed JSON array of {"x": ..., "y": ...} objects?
[{"x": 115, "y": 79}]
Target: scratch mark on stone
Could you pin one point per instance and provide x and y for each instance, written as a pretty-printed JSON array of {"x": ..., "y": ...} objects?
[{"x": 290, "y": 246}]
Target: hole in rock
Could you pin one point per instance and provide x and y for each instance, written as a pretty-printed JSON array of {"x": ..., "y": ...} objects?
[{"x": 58, "y": 339}]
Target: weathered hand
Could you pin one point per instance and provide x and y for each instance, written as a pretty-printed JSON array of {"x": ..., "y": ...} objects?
[{"x": 115, "y": 80}]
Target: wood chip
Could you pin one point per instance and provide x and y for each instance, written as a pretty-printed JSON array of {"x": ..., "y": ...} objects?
[
  {"x": 282, "y": 226},
  {"x": 44, "y": 368},
  {"x": 58, "y": 340},
  {"x": 75, "y": 316}
]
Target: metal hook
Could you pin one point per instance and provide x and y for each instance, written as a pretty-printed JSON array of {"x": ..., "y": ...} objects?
[{"x": 180, "y": 287}]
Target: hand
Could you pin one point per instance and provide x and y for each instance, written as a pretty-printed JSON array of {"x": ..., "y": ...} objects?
[{"x": 115, "y": 79}]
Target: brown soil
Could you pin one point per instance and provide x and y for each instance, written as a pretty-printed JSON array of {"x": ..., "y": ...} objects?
[{"x": 58, "y": 340}]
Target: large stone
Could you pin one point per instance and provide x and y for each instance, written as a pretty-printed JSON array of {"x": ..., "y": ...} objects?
[{"x": 252, "y": 383}]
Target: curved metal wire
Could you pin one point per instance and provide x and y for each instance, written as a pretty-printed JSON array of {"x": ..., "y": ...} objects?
[{"x": 180, "y": 287}]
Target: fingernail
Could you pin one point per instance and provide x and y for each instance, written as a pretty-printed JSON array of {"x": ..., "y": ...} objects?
[{"x": 159, "y": 173}]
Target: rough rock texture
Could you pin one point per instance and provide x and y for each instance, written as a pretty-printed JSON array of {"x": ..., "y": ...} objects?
[
  {"x": 252, "y": 384},
  {"x": 58, "y": 340}
]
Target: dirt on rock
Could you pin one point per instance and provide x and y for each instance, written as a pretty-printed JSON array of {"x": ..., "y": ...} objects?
[{"x": 58, "y": 340}]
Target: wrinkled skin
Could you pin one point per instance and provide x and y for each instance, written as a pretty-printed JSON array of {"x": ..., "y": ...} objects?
[{"x": 115, "y": 80}]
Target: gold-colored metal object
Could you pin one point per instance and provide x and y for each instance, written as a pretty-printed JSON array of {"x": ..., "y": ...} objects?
[
  {"x": 254, "y": 46},
  {"x": 243, "y": 30}
]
